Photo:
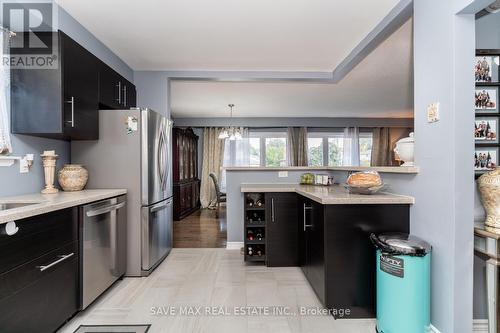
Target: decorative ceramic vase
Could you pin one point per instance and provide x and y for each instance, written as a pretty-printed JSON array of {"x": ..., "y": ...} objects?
[
  {"x": 489, "y": 187},
  {"x": 73, "y": 177},
  {"x": 49, "y": 159},
  {"x": 405, "y": 148}
]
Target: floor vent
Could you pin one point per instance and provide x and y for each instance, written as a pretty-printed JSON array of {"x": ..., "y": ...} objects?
[{"x": 113, "y": 329}]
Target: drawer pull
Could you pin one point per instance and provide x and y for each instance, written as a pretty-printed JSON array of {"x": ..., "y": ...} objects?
[
  {"x": 10, "y": 228},
  {"x": 61, "y": 259}
]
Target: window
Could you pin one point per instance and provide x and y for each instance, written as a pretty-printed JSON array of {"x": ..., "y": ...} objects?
[
  {"x": 267, "y": 148},
  {"x": 328, "y": 148},
  {"x": 365, "y": 148},
  {"x": 275, "y": 152},
  {"x": 335, "y": 150},
  {"x": 315, "y": 151}
]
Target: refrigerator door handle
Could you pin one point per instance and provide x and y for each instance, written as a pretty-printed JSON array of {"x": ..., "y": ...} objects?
[
  {"x": 160, "y": 157},
  {"x": 161, "y": 206}
]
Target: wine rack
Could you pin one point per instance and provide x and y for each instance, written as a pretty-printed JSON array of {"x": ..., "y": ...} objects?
[{"x": 255, "y": 227}]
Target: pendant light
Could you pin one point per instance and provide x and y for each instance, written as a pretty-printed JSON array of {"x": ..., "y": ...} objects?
[{"x": 231, "y": 133}]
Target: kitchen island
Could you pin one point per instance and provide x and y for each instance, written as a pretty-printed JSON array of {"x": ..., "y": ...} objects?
[{"x": 324, "y": 230}]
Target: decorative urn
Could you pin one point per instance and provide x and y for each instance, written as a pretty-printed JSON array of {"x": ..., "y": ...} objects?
[
  {"x": 73, "y": 177},
  {"x": 405, "y": 148},
  {"x": 489, "y": 187}
]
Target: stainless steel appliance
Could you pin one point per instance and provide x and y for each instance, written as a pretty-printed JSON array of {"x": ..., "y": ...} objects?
[
  {"x": 134, "y": 152},
  {"x": 103, "y": 247}
]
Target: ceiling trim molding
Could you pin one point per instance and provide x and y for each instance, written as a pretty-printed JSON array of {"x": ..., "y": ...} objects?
[
  {"x": 475, "y": 7},
  {"x": 400, "y": 14}
]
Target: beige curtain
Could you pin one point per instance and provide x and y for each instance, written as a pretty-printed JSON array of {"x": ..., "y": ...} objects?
[
  {"x": 213, "y": 155},
  {"x": 381, "y": 147},
  {"x": 384, "y": 142},
  {"x": 297, "y": 146}
]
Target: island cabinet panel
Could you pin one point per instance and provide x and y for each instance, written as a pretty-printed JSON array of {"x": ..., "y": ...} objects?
[
  {"x": 350, "y": 262},
  {"x": 311, "y": 244},
  {"x": 282, "y": 234}
]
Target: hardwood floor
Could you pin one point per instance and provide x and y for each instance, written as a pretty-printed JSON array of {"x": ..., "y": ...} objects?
[
  {"x": 208, "y": 278},
  {"x": 201, "y": 229}
]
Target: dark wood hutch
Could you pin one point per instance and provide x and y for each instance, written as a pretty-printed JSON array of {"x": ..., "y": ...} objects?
[{"x": 185, "y": 177}]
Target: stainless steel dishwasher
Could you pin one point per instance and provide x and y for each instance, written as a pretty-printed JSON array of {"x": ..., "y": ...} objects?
[{"x": 103, "y": 246}]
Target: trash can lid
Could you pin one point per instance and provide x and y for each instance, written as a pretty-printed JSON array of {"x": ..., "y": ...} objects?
[{"x": 405, "y": 243}]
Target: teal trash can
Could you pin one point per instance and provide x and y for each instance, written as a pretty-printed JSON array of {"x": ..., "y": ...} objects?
[{"x": 403, "y": 283}]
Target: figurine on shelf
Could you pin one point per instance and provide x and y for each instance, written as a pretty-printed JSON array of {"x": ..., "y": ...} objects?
[{"x": 49, "y": 159}]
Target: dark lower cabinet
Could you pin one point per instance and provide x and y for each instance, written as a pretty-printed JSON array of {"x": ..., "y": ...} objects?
[
  {"x": 350, "y": 256},
  {"x": 336, "y": 254},
  {"x": 281, "y": 228},
  {"x": 312, "y": 248},
  {"x": 39, "y": 279}
]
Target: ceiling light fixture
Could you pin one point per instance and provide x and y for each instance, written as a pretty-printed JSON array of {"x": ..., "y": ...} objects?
[{"x": 231, "y": 133}]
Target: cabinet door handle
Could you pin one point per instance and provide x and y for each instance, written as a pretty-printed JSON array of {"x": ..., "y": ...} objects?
[
  {"x": 305, "y": 218},
  {"x": 61, "y": 259},
  {"x": 119, "y": 85},
  {"x": 72, "y": 102},
  {"x": 272, "y": 209},
  {"x": 124, "y": 95}
]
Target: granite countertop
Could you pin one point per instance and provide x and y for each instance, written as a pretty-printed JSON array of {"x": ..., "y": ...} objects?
[
  {"x": 330, "y": 195},
  {"x": 386, "y": 169},
  {"x": 45, "y": 203}
]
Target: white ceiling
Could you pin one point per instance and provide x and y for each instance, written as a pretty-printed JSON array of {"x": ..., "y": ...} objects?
[
  {"x": 380, "y": 86},
  {"x": 294, "y": 35}
]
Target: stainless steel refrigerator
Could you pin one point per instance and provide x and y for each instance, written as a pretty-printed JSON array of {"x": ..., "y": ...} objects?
[{"x": 134, "y": 152}]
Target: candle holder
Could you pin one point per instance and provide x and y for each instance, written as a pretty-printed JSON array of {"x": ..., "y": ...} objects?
[{"x": 49, "y": 170}]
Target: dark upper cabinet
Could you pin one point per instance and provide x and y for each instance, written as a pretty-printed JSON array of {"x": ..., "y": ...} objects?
[
  {"x": 281, "y": 229},
  {"x": 61, "y": 102},
  {"x": 115, "y": 92}
]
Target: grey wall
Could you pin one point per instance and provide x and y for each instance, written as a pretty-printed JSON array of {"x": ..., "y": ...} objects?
[
  {"x": 443, "y": 214},
  {"x": 11, "y": 181},
  {"x": 488, "y": 32},
  {"x": 153, "y": 91},
  {"x": 297, "y": 122}
]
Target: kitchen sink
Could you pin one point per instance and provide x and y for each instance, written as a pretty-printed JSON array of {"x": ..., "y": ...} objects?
[{"x": 12, "y": 205}]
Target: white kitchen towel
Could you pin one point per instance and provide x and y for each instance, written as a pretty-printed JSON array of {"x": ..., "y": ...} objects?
[{"x": 5, "y": 143}]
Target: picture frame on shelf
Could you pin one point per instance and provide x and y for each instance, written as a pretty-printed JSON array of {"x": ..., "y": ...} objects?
[
  {"x": 486, "y": 130},
  {"x": 486, "y": 100},
  {"x": 486, "y": 68},
  {"x": 485, "y": 159}
]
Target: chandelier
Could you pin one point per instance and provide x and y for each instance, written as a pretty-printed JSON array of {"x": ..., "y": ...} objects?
[{"x": 231, "y": 133}]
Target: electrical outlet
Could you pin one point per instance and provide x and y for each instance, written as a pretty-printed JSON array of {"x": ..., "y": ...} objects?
[
  {"x": 433, "y": 112},
  {"x": 283, "y": 174},
  {"x": 23, "y": 165}
]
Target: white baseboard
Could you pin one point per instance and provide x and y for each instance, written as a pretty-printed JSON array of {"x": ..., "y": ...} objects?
[
  {"x": 234, "y": 245},
  {"x": 478, "y": 326}
]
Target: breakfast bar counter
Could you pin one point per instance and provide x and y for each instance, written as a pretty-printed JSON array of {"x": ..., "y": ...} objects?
[{"x": 329, "y": 195}]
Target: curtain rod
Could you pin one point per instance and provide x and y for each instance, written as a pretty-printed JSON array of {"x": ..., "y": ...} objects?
[{"x": 11, "y": 33}]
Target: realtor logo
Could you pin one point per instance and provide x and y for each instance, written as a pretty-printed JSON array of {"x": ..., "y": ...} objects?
[{"x": 35, "y": 44}]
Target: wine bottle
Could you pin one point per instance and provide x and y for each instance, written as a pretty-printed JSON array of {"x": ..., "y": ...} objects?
[
  {"x": 250, "y": 251},
  {"x": 258, "y": 235},
  {"x": 259, "y": 203},
  {"x": 250, "y": 235}
]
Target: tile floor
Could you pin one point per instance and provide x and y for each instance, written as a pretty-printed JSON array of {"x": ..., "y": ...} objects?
[{"x": 218, "y": 278}]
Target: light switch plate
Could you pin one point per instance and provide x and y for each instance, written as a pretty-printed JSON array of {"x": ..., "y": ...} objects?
[
  {"x": 283, "y": 174},
  {"x": 433, "y": 112}
]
